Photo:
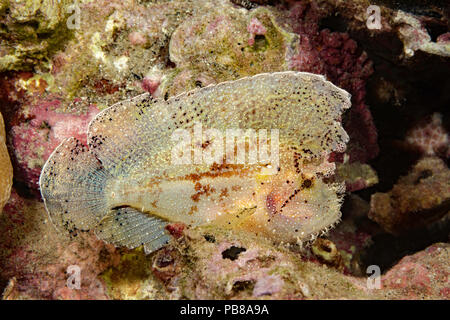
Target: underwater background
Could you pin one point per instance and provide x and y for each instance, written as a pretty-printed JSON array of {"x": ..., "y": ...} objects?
[{"x": 62, "y": 62}]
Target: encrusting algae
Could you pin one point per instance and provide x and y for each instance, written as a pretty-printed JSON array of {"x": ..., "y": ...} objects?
[
  {"x": 127, "y": 187},
  {"x": 6, "y": 170}
]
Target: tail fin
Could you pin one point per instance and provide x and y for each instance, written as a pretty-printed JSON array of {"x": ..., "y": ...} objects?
[{"x": 72, "y": 185}]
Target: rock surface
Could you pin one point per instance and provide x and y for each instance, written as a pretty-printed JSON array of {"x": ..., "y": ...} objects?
[
  {"x": 6, "y": 171},
  {"x": 416, "y": 200}
]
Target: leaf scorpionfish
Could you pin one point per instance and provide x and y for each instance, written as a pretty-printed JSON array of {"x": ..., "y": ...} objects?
[{"x": 125, "y": 186}]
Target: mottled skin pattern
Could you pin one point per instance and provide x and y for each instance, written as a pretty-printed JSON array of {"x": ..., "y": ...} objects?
[{"x": 127, "y": 189}]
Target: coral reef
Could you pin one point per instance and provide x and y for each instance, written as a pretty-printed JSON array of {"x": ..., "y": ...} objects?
[
  {"x": 406, "y": 27},
  {"x": 422, "y": 275},
  {"x": 421, "y": 197},
  {"x": 201, "y": 263},
  {"x": 38, "y": 257},
  {"x": 356, "y": 175},
  {"x": 352, "y": 236},
  {"x": 430, "y": 137},
  {"x": 199, "y": 45},
  {"x": 415, "y": 37},
  {"x": 208, "y": 263},
  {"x": 57, "y": 72},
  {"x": 225, "y": 44},
  {"x": 40, "y": 129},
  {"x": 31, "y": 32}
]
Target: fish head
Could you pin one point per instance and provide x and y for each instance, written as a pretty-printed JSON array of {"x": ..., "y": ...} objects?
[{"x": 291, "y": 206}]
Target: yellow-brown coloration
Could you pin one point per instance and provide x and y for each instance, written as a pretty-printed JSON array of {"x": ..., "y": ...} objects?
[
  {"x": 127, "y": 188},
  {"x": 6, "y": 170}
]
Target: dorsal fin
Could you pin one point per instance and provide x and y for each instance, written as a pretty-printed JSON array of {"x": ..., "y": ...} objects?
[{"x": 306, "y": 108}]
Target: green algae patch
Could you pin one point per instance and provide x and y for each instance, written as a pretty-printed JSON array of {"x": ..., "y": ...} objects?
[
  {"x": 221, "y": 46},
  {"x": 131, "y": 278},
  {"x": 31, "y": 32}
]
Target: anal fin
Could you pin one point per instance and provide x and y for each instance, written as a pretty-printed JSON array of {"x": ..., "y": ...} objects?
[{"x": 132, "y": 228}]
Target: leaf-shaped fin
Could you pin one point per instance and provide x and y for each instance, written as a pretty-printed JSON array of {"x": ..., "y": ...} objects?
[
  {"x": 132, "y": 228},
  {"x": 306, "y": 109},
  {"x": 120, "y": 136}
]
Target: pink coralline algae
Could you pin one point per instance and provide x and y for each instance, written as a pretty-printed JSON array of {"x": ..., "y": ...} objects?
[
  {"x": 150, "y": 84},
  {"x": 215, "y": 265},
  {"x": 39, "y": 130},
  {"x": 430, "y": 137},
  {"x": 137, "y": 38},
  {"x": 443, "y": 38},
  {"x": 415, "y": 36},
  {"x": 211, "y": 264},
  {"x": 337, "y": 56},
  {"x": 421, "y": 275},
  {"x": 255, "y": 27},
  {"x": 32, "y": 253}
]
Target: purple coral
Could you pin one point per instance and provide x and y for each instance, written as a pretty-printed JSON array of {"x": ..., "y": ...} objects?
[
  {"x": 430, "y": 137},
  {"x": 336, "y": 55}
]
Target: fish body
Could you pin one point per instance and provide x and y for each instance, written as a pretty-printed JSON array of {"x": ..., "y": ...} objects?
[{"x": 127, "y": 186}]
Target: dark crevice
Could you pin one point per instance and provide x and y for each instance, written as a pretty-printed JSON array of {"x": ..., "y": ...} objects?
[
  {"x": 435, "y": 30},
  {"x": 232, "y": 253},
  {"x": 243, "y": 285},
  {"x": 334, "y": 23},
  {"x": 386, "y": 249}
]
